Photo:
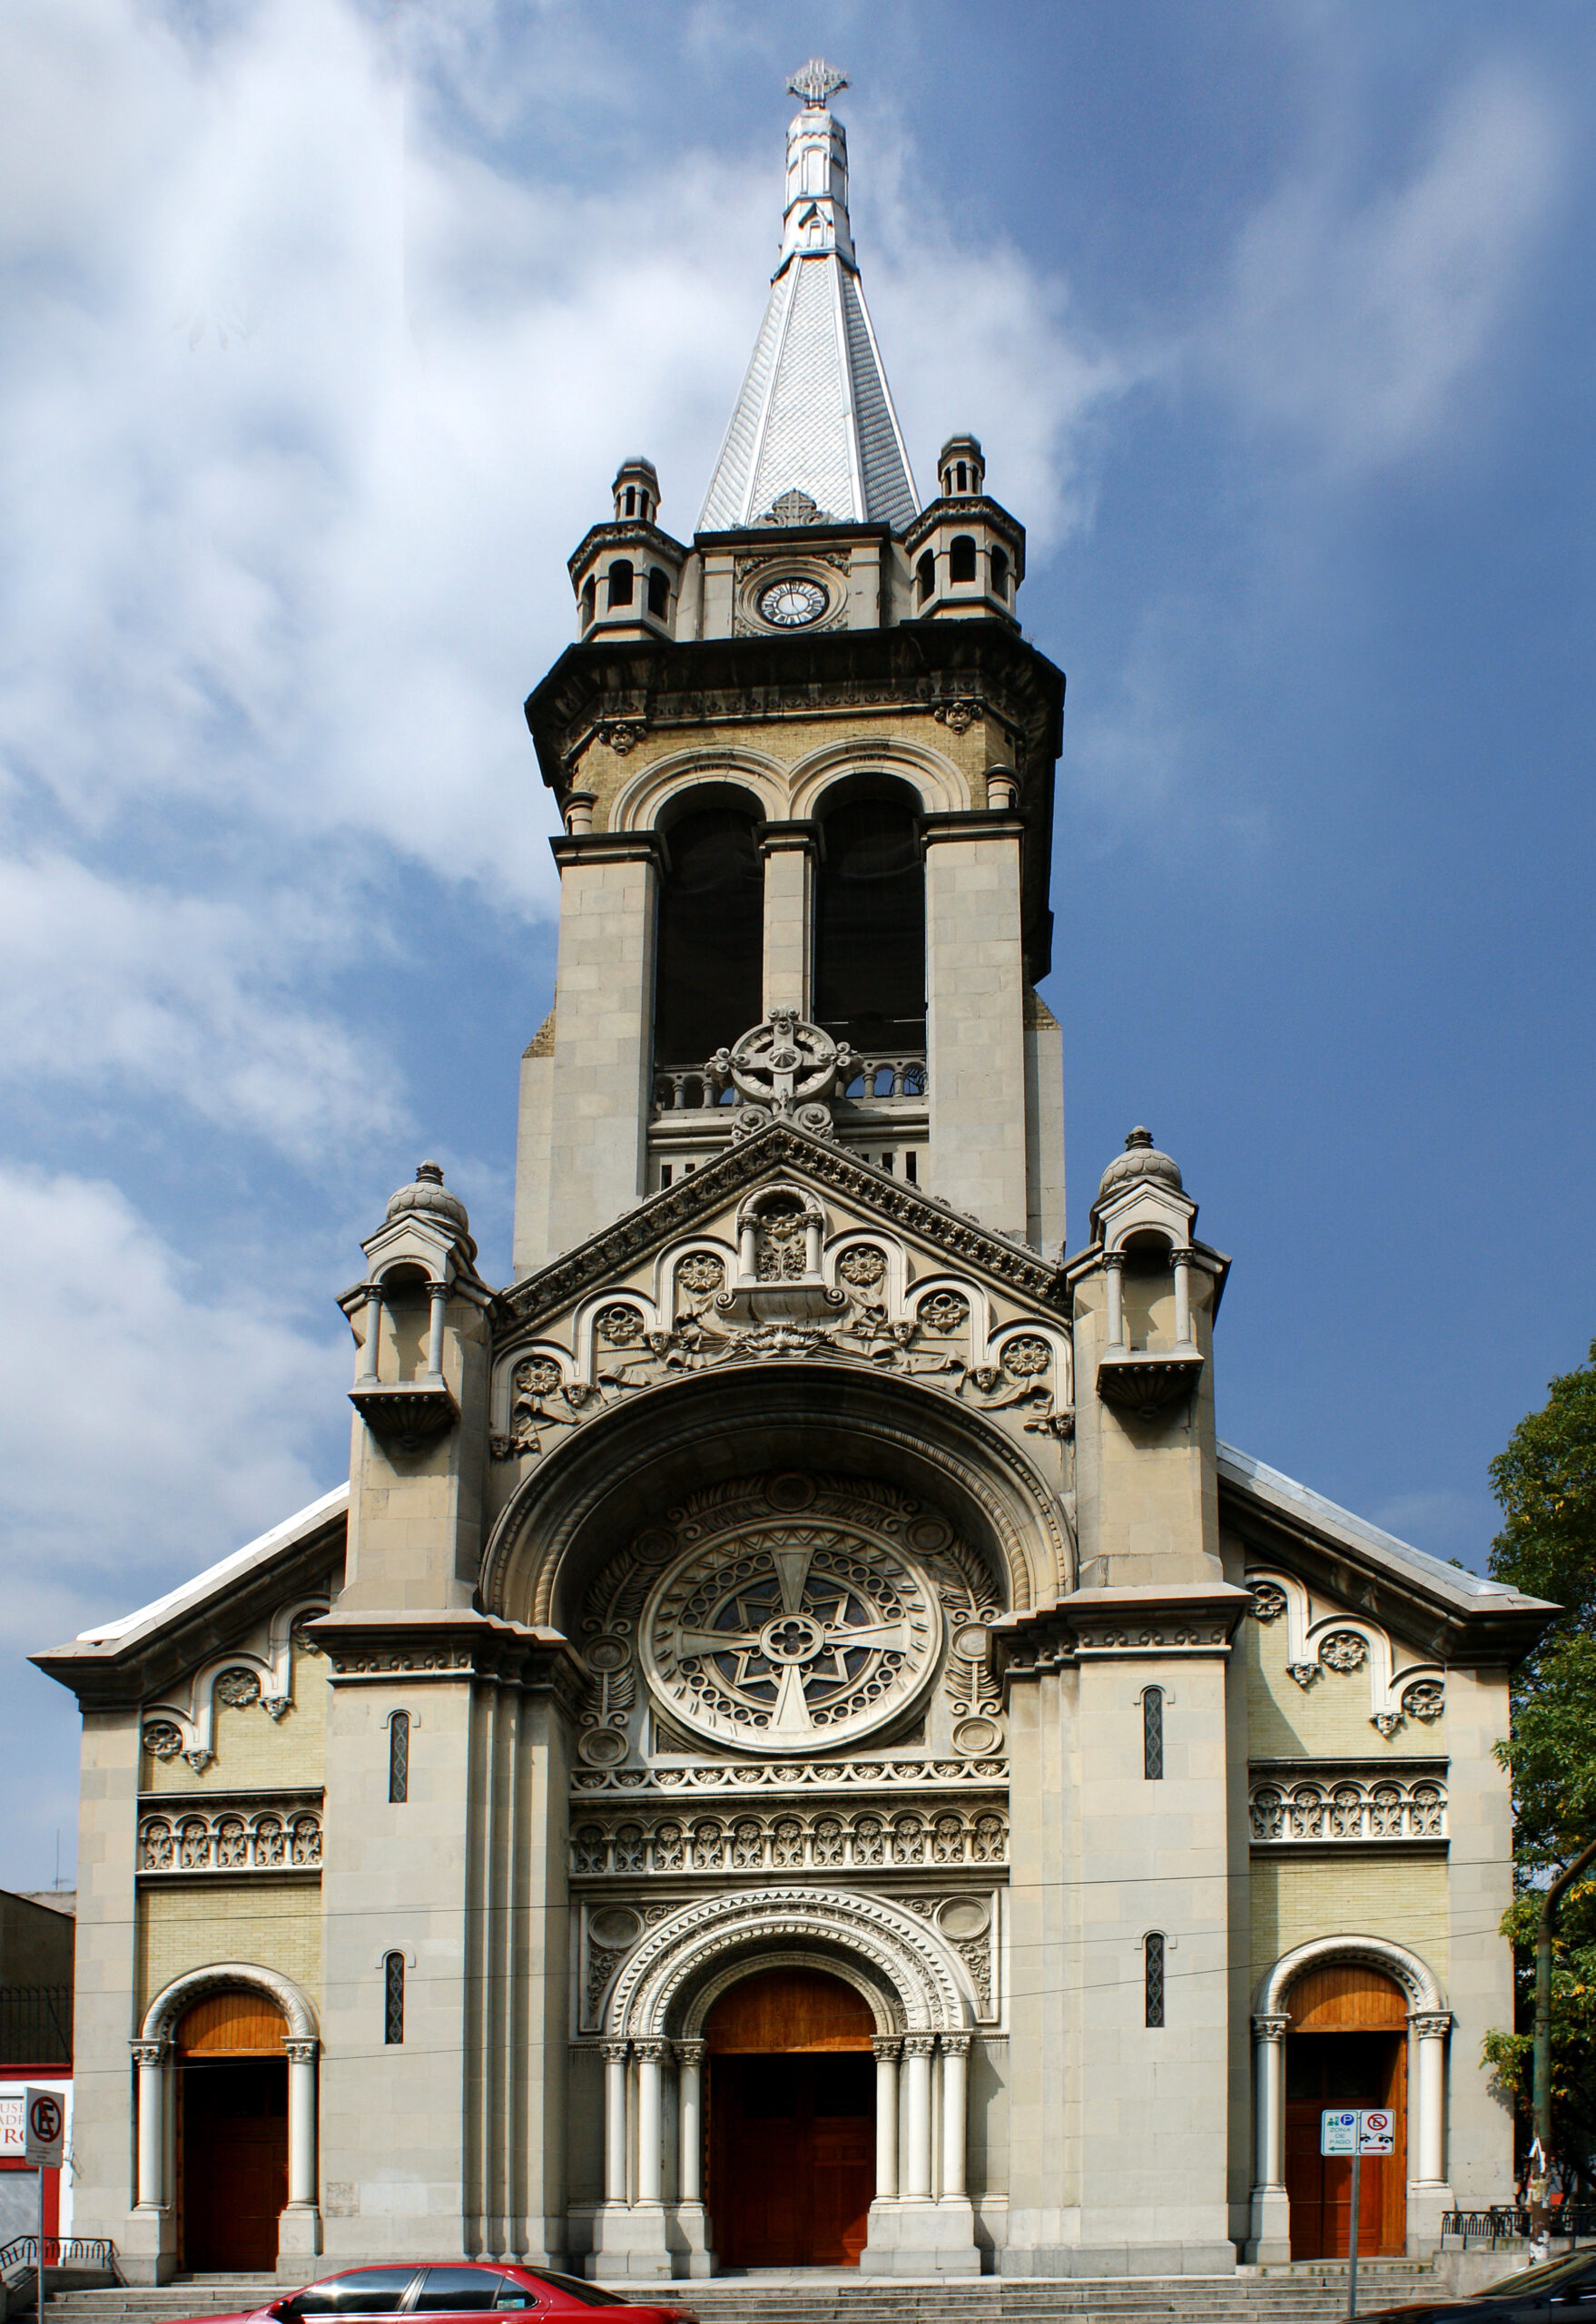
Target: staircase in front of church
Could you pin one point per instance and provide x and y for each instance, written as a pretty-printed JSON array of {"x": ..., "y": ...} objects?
[{"x": 1311, "y": 2292}]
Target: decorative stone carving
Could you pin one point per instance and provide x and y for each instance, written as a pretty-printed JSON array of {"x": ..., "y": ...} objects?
[
  {"x": 1268, "y": 1601},
  {"x": 780, "y": 1633},
  {"x": 792, "y": 1840},
  {"x": 162, "y": 1739},
  {"x": 620, "y": 1324},
  {"x": 945, "y": 1312},
  {"x": 1424, "y": 1700},
  {"x": 261, "y": 1839},
  {"x": 863, "y": 1266},
  {"x": 789, "y": 1774},
  {"x": 1344, "y": 1651},
  {"x": 238, "y": 1689},
  {"x": 1305, "y": 1673},
  {"x": 784, "y": 1064},
  {"x": 1343, "y": 1807}
]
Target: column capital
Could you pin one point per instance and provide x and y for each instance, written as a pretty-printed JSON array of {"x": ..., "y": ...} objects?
[
  {"x": 888, "y": 2046},
  {"x": 1271, "y": 2028},
  {"x": 919, "y": 2045},
  {"x": 302, "y": 2052},
  {"x": 955, "y": 2045},
  {"x": 652, "y": 2053},
  {"x": 803, "y": 832},
  {"x": 1430, "y": 2024},
  {"x": 1182, "y": 1255},
  {"x": 615, "y": 2053},
  {"x": 1115, "y": 1259},
  {"x": 691, "y": 2054},
  {"x": 437, "y": 1287},
  {"x": 150, "y": 2054}
]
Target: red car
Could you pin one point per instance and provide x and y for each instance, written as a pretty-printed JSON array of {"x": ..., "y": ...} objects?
[{"x": 465, "y": 2288}]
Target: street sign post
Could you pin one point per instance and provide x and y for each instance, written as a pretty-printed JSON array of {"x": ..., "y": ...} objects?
[
  {"x": 1355, "y": 2131},
  {"x": 43, "y": 2127}
]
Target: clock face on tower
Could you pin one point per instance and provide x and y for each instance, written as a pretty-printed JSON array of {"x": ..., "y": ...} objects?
[{"x": 792, "y": 604}]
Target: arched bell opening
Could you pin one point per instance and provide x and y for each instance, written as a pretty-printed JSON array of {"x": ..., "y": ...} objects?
[
  {"x": 870, "y": 917},
  {"x": 709, "y": 955}
]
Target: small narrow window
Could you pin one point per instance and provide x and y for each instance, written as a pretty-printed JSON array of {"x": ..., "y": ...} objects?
[
  {"x": 659, "y": 592},
  {"x": 959, "y": 476},
  {"x": 631, "y": 501},
  {"x": 665, "y": 1175},
  {"x": 589, "y": 601},
  {"x": 1152, "y": 1734},
  {"x": 1155, "y": 1979},
  {"x": 887, "y": 1164},
  {"x": 393, "y": 1997},
  {"x": 620, "y": 583},
  {"x": 926, "y": 575},
  {"x": 961, "y": 559},
  {"x": 910, "y": 1167},
  {"x": 399, "y": 1758},
  {"x": 643, "y": 507},
  {"x": 999, "y": 561}
]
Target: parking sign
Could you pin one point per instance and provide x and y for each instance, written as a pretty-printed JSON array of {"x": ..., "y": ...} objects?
[
  {"x": 1378, "y": 2134},
  {"x": 1338, "y": 2131},
  {"x": 43, "y": 2128}
]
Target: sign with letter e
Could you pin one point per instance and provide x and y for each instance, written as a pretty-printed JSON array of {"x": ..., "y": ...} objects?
[
  {"x": 1338, "y": 2131},
  {"x": 43, "y": 2128}
]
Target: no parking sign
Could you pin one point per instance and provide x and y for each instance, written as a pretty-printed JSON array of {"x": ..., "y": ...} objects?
[{"x": 43, "y": 2128}]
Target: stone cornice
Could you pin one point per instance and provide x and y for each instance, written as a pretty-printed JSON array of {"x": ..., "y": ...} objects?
[
  {"x": 623, "y": 533},
  {"x": 783, "y": 1147},
  {"x": 607, "y": 847},
  {"x": 382, "y": 1647},
  {"x": 119, "y": 1674},
  {"x": 1489, "y": 1633},
  {"x": 1140, "y": 1622}
]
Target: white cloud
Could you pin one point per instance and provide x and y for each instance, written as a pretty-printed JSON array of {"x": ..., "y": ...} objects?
[
  {"x": 177, "y": 998},
  {"x": 1358, "y": 322},
  {"x": 148, "y": 1422},
  {"x": 311, "y": 403}
]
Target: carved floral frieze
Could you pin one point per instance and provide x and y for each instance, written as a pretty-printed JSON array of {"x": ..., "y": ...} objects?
[{"x": 895, "y": 1838}]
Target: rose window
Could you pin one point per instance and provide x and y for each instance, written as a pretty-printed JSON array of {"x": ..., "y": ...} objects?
[{"x": 789, "y": 1635}]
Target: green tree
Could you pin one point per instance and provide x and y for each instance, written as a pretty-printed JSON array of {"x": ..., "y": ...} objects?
[{"x": 1546, "y": 1483}]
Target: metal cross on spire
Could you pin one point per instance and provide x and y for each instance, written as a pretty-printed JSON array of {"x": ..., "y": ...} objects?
[{"x": 817, "y": 82}]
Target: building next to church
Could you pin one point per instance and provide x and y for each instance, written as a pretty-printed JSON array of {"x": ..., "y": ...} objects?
[{"x": 795, "y": 1743}]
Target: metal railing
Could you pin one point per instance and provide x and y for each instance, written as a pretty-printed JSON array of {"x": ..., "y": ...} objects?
[
  {"x": 1504, "y": 2224},
  {"x": 36, "y": 2025},
  {"x": 700, "y": 1089},
  {"x": 60, "y": 2251}
]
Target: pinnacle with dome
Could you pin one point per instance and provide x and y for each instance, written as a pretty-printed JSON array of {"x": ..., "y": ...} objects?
[{"x": 813, "y": 437}]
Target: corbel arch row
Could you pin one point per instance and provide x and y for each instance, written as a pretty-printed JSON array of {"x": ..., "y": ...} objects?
[
  {"x": 664, "y": 1974},
  {"x": 796, "y": 791},
  {"x": 606, "y": 1481},
  {"x": 1408, "y": 1970},
  {"x": 164, "y": 2012}
]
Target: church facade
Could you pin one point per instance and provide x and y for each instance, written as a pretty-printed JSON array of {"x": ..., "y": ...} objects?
[{"x": 796, "y": 1743}]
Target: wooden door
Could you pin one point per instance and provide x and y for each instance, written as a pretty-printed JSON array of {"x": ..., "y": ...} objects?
[
  {"x": 794, "y": 2158},
  {"x": 791, "y": 2121},
  {"x": 1347, "y": 2047},
  {"x": 231, "y": 2132}
]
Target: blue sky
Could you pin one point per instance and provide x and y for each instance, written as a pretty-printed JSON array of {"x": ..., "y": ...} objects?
[{"x": 324, "y": 327}]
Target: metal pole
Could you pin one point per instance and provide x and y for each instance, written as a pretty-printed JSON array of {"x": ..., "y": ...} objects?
[
  {"x": 40, "y": 2295},
  {"x": 1352, "y": 2239},
  {"x": 1541, "y": 2105}
]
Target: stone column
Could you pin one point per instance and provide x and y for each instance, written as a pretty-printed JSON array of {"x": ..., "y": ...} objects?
[
  {"x": 615, "y": 2121},
  {"x": 975, "y": 1020},
  {"x": 918, "y": 2052},
  {"x": 298, "y": 2232},
  {"x": 1114, "y": 1294},
  {"x": 1270, "y": 2236},
  {"x": 690, "y": 2104},
  {"x": 955, "y": 2071},
  {"x": 1181, "y": 1261},
  {"x": 651, "y": 2058},
  {"x": 437, "y": 1298},
  {"x": 789, "y": 851},
  {"x": 886, "y": 2048},
  {"x": 1431, "y": 2027},
  {"x": 150, "y": 2057}
]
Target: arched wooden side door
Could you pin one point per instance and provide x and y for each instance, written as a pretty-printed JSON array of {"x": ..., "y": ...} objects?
[
  {"x": 231, "y": 2132},
  {"x": 791, "y": 2121},
  {"x": 1347, "y": 2047}
]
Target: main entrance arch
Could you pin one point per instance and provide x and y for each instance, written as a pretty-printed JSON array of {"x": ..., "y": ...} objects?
[
  {"x": 791, "y": 2120},
  {"x": 855, "y": 1970}
]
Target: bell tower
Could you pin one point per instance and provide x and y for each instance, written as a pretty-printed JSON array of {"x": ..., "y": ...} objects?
[{"x": 805, "y": 771}]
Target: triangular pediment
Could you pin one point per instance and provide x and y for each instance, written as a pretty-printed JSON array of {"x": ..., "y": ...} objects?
[{"x": 785, "y": 1247}]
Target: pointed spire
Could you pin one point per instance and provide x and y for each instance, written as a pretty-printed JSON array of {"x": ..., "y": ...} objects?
[{"x": 815, "y": 415}]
